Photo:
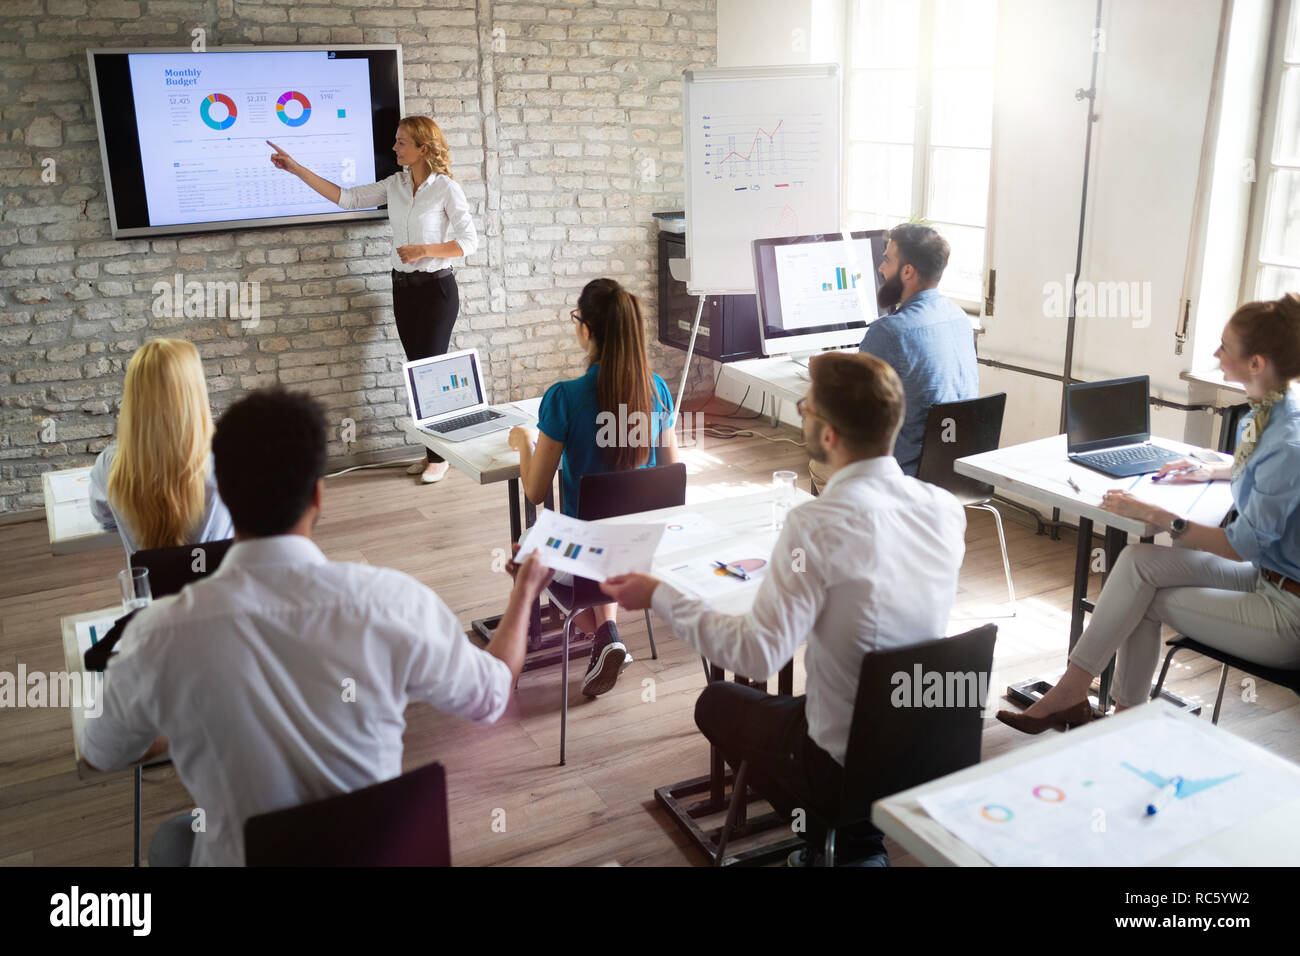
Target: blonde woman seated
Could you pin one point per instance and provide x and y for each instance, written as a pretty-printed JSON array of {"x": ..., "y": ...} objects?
[
  {"x": 155, "y": 484},
  {"x": 1235, "y": 589}
]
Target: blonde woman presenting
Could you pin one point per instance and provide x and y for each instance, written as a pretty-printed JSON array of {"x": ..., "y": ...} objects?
[
  {"x": 155, "y": 484},
  {"x": 431, "y": 227}
]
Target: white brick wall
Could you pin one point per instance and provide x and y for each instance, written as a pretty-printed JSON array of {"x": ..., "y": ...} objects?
[{"x": 565, "y": 140}]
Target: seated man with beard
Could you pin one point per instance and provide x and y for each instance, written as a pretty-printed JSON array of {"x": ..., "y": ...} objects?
[{"x": 928, "y": 339}]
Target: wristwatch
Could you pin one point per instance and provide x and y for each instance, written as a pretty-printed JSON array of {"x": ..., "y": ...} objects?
[{"x": 1177, "y": 527}]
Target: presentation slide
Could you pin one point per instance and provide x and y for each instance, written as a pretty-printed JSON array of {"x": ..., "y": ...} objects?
[
  {"x": 445, "y": 386},
  {"x": 204, "y": 118},
  {"x": 825, "y": 283}
]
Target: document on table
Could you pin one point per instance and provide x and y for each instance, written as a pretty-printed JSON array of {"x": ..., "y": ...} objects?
[
  {"x": 1201, "y": 502},
  {"x": 90, "y": 633},
  {"x": 1086, "y": 805},
  {"x": 691, "y": 530},
  {"x": 701, "y": 577},
  {"x": 75, "y": 520},
  {"x": 589, "y": 550},
  {"x": 70, "y": 486}
]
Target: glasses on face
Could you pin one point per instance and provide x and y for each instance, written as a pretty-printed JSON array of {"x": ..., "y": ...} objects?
[
  {"x": 801, "y": 407},
  {"x": 573, "y": 314}
]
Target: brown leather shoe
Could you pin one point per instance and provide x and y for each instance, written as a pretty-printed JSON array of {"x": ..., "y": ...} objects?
[{"x": 1080, "y": 713}]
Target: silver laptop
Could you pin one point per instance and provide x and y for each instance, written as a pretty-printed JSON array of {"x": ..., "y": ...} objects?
[{"x": 445, "y": 393}]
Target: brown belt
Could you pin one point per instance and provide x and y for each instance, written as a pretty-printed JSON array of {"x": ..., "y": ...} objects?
[{"x": 1282, "y": 581}]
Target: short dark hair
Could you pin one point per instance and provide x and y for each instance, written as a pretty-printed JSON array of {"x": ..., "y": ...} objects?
[
  {"x": 922, "y": 248},
  {"x": 861, "y": 397},
  {"x": 269, "y": 452}
]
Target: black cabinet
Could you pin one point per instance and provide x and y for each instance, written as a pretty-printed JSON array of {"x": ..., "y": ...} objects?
[{"x": 729, "y": 325}]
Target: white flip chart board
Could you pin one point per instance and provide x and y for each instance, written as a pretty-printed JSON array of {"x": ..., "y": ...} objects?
[{"x": 762, "y": 160}]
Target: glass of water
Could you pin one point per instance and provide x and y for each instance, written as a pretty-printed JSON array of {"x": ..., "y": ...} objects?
[
  {"x": 136, "y": 592},
  {"x": 783, "y": 487}
]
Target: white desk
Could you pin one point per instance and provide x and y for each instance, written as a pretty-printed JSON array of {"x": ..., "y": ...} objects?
[
  {"x": 1039, "y": 470},
  {"x": 486, "y": 459},
  {"x": 74, "y": 663},
  {"x": 72, "y": 528},
  {"x": 781, "y": 377},
  {"x": 784, "y": 378},
  {"x": 1272, "y": 839}
]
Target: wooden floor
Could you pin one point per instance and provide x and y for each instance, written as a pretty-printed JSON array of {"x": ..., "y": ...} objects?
[{"x": 510, "y": 802}]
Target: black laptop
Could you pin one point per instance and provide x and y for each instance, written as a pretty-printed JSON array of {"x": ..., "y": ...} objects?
[{"x": 1108, "y": 427}]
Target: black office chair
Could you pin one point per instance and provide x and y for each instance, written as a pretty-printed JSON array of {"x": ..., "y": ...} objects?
[
  {"x": 958, "y": 429},
  {"x": 400, "y": 822},
  {"x": 608, "y": 495},
  {"x": 893, "y": 748},
  {"x": 1274, "y": 675},
  {"x": 170, "y": 569}
]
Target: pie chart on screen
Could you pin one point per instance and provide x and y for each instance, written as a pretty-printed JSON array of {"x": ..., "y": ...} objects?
[
  {"x": 286, "y": 112},
  {"x": 225, "y": 106}
]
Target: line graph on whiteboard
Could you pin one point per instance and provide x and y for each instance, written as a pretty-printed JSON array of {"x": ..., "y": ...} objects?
[{"x": 753, "y": 151}]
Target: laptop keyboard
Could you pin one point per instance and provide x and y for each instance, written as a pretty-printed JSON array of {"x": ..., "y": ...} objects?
[
  {"x": 464, "y": 421},
  {"x": 1130, "y": 455}
]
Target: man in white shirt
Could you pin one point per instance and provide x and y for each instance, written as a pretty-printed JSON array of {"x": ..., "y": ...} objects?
[
  {"x": 283, "y": 677},
  {"x": 870, "y": 564}
]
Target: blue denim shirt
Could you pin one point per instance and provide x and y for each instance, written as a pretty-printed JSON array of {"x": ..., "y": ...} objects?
[
  {"x": 930, "y": 344},
  {"x": 1266, "y": 531}
]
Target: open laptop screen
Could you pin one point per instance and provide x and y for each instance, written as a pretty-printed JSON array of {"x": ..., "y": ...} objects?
[
  {"x": 1103, "y": 414},
  {"x": 444, "y": 385}
]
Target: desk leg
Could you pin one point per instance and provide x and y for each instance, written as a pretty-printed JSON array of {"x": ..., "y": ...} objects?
[
  {"x": 1082, "y": 561},
  {"x": 135, "y": 841},
  {"x": 776, "y": 411}
]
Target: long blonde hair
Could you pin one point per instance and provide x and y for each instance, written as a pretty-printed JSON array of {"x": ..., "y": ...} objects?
[
  {"x": 164, "y": 437},
  {"x": 426, "y": 133}
]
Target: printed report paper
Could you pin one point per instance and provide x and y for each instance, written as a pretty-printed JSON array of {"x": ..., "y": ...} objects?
[{"x": 589, "y": 550}]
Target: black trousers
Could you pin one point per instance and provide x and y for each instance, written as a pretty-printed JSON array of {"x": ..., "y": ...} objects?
[
  {"x": 425, "y": 306},
  {"x": 785, "y": 765}
]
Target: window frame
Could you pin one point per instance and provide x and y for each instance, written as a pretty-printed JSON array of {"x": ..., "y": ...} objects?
[
  {"x": 921, "y": 138},
  {"x": 1284, "y": 12}
]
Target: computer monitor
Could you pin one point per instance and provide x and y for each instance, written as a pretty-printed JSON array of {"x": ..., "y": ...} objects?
[{"x": 817, "y": 292}]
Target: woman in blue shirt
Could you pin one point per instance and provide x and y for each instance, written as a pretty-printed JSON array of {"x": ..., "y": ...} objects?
[
  {"x": 615, "y": 417},
  {"x": 1236, "y": 588}
]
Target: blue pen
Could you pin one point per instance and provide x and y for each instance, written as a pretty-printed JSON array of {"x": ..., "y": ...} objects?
[
  {"x": 734, "y": 572},
  {"x": 1167, "y": 793}
]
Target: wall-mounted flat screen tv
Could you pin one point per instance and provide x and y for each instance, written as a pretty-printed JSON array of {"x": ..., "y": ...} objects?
[{"x": 183, "y": 134}]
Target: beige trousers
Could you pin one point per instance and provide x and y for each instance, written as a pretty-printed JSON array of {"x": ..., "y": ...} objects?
[{"x": 1228, "y": 605}]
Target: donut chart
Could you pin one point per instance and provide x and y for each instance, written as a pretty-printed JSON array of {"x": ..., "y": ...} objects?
[
  {"x": 205, "y": 111},
  {"x": 302, "y": 101}
]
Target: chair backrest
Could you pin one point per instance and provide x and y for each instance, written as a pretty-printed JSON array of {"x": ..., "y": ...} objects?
[
  {"x": 400, "y": 822},
  {"x": 170, "y": 569},
  {"x": 918, "y": 716},
  {"x": 973, "y": 427},
  {"x": 612, "y": 493}
]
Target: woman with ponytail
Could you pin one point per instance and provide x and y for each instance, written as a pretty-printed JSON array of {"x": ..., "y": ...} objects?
[
  {"x": 155, "y": 483},
  {"x": 1236, "y": 589},
  {"x": 615, "y": 417},
  {"x": 431, "y": 227}
]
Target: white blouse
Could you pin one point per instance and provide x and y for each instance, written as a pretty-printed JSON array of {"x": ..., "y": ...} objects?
[{"x": 437, "y": 212}]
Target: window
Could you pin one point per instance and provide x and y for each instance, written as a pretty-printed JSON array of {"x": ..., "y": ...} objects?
[
  {"x": 919, "y": 121},
  {"x": 1273, "y": 268}
]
